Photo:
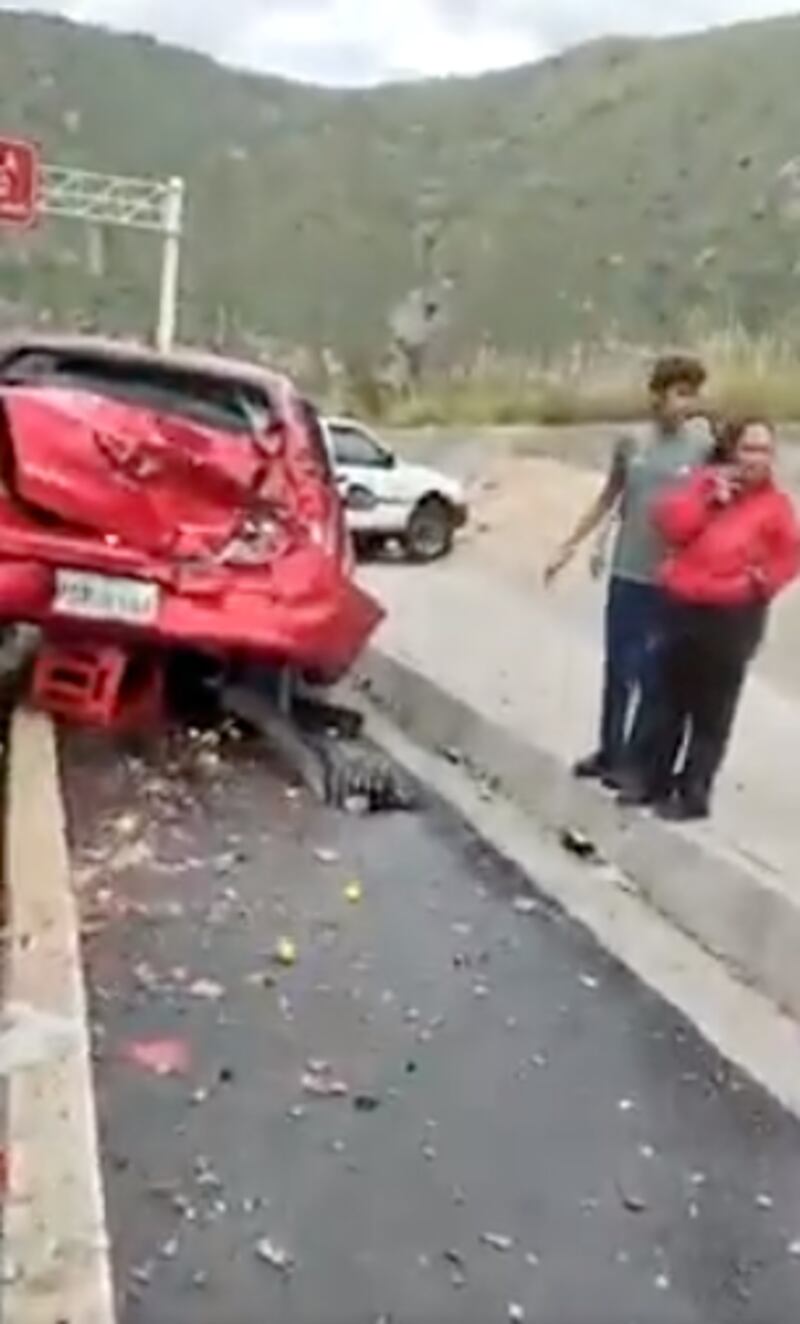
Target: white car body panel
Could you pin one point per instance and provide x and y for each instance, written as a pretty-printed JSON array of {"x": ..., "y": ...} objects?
[{"x": 395, "y": 489}]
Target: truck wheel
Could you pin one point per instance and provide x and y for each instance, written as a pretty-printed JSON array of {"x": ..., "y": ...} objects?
[{"x": 430, "y": 530}]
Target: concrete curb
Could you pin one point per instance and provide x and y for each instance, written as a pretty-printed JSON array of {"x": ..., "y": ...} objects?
[
  {"x": 736, "y": 912},
  {"x": 56, "y": 1262}
]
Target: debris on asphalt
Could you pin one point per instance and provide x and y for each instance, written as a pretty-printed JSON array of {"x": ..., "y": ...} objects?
[
  {"x": 366, "y": 1103},
  {"x": 29, "y": 1037},
  {"x": 526, "y": 905},
  {"x": 579, "y": 844},
  {"x": 626, "y": 1105},
  {"x": 589, "y": 981},
  {"x": 354, "y": 892},
  {"x": 169, "y": 1250},
  {"x": 324, "y": 855},
  {"x": 206, "y": 989},
  {"x": 516, "y": 1313},
  {"x": 261, "y": 979},
  {"x": 453, "y": 755},
  {"x": 297, "y": 1113},
  {"x": 142, "y": 1274},
  {"x": 320, "y": 1081},
  {"x": 794, "y": 1249},
  {"x": 127, "y": 825},
  {"x": 632, "y": 1200},
  {"x": 764, "y": 1201},
  {"x": 454, "y": 1258},
  {"x": 162, "y": 1057},
  {"x": 357, "y": 805},
  {"x": 662, "y": 1282},
  {"x": 495, "y": 1241},
  {"x": 285, "y": 951},
  {"x": 275, "y": 1256},
  {"x": 130, "y": 855}
]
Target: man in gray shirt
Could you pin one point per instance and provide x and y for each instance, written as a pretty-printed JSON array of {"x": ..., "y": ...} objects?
[{"x": 646, "y": 461}]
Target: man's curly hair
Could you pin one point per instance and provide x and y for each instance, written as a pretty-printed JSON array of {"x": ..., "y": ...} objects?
[{"x": 677, "y": 370}]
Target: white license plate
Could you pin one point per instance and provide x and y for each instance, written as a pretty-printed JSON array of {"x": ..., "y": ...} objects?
[{"x": 105, "y": 598}]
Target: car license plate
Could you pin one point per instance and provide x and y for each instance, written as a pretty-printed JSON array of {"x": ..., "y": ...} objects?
[{"x": 105, "y": 598}]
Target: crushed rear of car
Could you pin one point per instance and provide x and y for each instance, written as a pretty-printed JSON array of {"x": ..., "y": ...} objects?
[{"x": 177, "y": 501}]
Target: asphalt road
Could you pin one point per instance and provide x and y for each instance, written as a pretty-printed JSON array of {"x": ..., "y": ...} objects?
[{"x": 528, "y": 1133}]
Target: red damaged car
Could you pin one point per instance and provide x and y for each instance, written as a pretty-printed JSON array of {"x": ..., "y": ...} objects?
[{"x": 179, "y": 500}]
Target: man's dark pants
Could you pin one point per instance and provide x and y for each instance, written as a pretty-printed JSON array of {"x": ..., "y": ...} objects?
[{"x": 631, "y": 691}]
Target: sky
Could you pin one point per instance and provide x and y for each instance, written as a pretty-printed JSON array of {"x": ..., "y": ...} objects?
[{"x": 362, "y": 42}]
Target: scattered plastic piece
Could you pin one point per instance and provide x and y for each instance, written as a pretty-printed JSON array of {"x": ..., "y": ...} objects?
[
  {"x": 162, "y": 1057},
  {"x": 497, "y": 1242},
  {"x": 590, "y": 981},
  {"x": 207, "y": 989},
  {"x": 516, "y": 1313},
  {"x": 275, "y": 1256},
  {"x": 632, "y": 1200},
  {"x": 324, "y": 855},
  {"x": 286, "y": 951},
  {"x": 318, "y": 1080},
  {"x": 577, "y": 843},
  {"x": 354, "y": 892},
  {"x": 526, "y": 905}
]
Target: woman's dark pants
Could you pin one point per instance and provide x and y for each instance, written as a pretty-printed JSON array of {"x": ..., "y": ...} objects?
[{"x": 706, "y": 653}]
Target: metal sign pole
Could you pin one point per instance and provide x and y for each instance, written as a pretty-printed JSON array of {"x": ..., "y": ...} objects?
[{"x": 170, "y": 266}]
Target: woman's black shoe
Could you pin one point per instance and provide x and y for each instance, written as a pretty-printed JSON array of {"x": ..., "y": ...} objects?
[
  {"x": 634, "y": 793},
  {"x": 684, "y": 809}
]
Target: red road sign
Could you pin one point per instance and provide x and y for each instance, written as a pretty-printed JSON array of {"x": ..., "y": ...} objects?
[{"x": 19, "y": 181}]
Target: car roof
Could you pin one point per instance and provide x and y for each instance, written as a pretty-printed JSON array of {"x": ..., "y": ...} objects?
[
  {"x": 341, "y": 421},
  {"x": 122, "y": 351}
]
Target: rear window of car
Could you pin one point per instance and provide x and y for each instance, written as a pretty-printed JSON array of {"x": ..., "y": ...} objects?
[{"x": 203, "y": 399}]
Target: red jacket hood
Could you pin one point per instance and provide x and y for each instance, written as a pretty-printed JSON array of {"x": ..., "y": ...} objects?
[{"x": 727, "y": 555}]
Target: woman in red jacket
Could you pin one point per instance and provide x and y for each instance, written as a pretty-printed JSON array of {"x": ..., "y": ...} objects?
[{"x": 734, "y": 543}]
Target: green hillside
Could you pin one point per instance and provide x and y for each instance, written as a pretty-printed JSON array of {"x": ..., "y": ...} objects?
[{"x": 620, "y": 187}]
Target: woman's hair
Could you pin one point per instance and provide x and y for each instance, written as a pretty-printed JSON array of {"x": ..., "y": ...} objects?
[
  {"x": 677, "y": 370},
  {"x": 730, "y": 432}
]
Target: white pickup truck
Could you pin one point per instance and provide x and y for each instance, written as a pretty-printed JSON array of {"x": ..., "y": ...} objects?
[{"x": 386, "y": 499}]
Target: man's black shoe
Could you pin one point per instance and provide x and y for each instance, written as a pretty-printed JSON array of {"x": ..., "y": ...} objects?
[{"x": 593, "y": 768}]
